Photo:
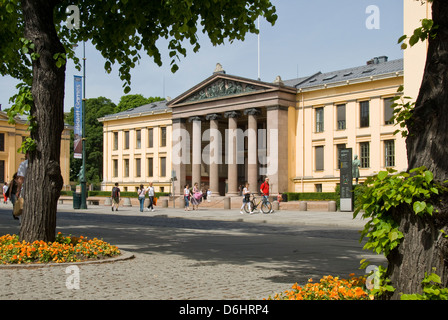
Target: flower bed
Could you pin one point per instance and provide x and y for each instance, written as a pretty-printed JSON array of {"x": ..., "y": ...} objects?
[
  {"x": 63, "y": 249},
  {"x": 328, "y": 288}
]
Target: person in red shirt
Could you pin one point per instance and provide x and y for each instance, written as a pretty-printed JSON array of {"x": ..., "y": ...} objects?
[{"x": 264, "y": 188}]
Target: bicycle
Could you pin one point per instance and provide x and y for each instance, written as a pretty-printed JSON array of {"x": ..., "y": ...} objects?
[{"x": 266, "y": 206}]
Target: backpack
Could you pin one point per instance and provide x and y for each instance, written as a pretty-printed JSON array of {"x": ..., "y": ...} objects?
[{"x": 115, "y": 192}]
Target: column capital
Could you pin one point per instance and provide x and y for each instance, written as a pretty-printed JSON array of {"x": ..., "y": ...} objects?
[
  {"x": 252, "y": 111},
  {"x": 213, "y": 116},
  {"x": 178, "y": 120},
  {"x": 232, "y": 114},
  {"x": 194, "y": 118}
]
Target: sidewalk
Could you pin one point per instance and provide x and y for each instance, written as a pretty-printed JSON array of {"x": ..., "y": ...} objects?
[{"x": 316, "y": 218}]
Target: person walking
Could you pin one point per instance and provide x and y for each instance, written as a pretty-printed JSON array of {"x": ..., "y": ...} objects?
[
  {"x": 197, "y": 196},
  {"x": 246, "y": 198},
  {"x": 141, "y": 197},
  {"x": 12, "y": 193},
  {"x": 115, "y": 197},
  {"x": 5, "y": 189},
  {"x": 187, "y": 197},
  {"x": 150, "y": 192}
]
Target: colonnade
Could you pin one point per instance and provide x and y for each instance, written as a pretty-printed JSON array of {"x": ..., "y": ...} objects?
[{"x": 184, "y": 142}]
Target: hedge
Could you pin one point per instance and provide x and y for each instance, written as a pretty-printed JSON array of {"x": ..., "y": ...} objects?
[
  {"x": 312, "y": 196},
  {"x": 123, "y": 194}
]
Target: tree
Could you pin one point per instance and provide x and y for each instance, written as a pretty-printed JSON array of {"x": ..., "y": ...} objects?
[
  {"x": 133, "y": 101},
  {"x": 409, "y": 210},
  {"x": 95, "y": 108},
  {"x": 424, "y": 246},
  {"x": 120, "y": 30}
]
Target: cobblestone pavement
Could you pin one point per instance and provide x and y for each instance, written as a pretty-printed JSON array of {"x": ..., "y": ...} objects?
[{"x": 209, "y": 254}]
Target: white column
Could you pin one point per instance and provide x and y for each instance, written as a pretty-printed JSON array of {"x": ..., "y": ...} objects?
[
  {"x": 215, "y": 153},
  {"x": 252, "y": 166},
  {"x": 196, "y": 150}
]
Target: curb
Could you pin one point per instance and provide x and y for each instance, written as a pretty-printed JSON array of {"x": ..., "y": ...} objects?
[{"x": 125, "y": 255}]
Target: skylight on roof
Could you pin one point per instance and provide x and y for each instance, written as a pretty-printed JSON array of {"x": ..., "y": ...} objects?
[
  {"x": 368, "y": 70},
  {"x": 330, "y": 77},
  {"x": 348, "y": 74}
]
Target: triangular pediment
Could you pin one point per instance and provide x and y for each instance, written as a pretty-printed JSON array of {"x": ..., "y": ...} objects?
[{"x": 221, "y": 86}]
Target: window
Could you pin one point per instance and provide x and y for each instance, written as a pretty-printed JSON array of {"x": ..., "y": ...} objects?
[
  {"x": 115, "y": 164},
  {"x": 364, "y": 114},
  {"x": 339, "y": 147},
  {"x": 341, "y": 116},
  {"x": 150, "y": 167},
  {"x": 2, "y": 142},
  {"x": 115, "y": 140},
  {"x": 389, "y": 153},
  {"x": 138, "y": 139},
  {"x": 319, "y": 119},
  {"x": 319, "y": 158},
  {"x": 365, "y": 154},
  {"x": 138, "y": 168},
  {"x": 163, "y": 136},
  {"x": 388, "y": 111},
  {"x": 163, "y": 166},
  {"x": 126, "y": 140},
  {"x": 126, "y": 168},
  {"x": 2, "y": 170},
  {"x": 318, "y": 187},
  {"x": 150, "y": 137}
]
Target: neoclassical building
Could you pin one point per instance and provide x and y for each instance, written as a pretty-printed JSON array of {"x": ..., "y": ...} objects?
[
  {"x": 227, "y": 130},
  {"x": 137, "y": 148},
  {"x": 11, "y": 138}
]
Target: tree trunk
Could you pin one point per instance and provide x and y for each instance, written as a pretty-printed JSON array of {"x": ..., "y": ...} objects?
[
  {"x": 424, "y": 247},
  {"x": 43, "y": 181}
]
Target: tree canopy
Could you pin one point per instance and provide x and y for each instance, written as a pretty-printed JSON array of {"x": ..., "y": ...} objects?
[{"x": 36, "y": 44}]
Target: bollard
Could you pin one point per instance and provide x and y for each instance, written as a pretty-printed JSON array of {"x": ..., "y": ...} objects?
[
  {"x": 332, "y": 206},
  {"x": 303, "y": 205},
  {"x": 164, "y": 203},
  {"x": 275, "y": 205},
  {"x": 227, "y": 203},
  {"x": 127, "y": 202}
]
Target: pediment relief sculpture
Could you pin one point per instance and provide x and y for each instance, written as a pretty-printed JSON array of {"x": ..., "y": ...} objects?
[{"x": 222, "y": 88}]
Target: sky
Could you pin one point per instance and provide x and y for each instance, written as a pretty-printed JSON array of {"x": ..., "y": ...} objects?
[{"x": 308, "y": 36}]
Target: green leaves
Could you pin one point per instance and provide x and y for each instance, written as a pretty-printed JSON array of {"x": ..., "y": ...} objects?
[
  {"x": 388, "y": 189},
  {"x": 427, "y": 30},
  {"x": 432, "y": 289}
]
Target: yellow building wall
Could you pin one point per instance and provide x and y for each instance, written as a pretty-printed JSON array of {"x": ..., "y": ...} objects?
[
  {"x": 13, "y": 137},
  {"x": 306, "y": 177},
  {"x": 415, "y": 56},
  {"x": 131, "y": 181}
]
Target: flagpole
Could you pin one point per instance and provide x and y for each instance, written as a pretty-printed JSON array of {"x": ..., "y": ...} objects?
[{"x": 259, "y": 78}]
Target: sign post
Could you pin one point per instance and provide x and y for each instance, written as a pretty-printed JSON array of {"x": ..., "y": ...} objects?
[{"x": 346, "y": 180}]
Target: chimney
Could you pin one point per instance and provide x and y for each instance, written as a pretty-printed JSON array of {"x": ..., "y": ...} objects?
[{"x": 377, "y": 60}]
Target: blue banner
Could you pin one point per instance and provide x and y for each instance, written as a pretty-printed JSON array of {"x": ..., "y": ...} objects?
[{"x": 77, "y": 143}]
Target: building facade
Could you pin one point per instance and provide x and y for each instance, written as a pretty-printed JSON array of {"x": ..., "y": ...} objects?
[
  {"x": 11, "y": 138},
  {"x": 348, "y": 108},
  {"x": 137, "y": 148},
  {"x": 228, "y": 130}
]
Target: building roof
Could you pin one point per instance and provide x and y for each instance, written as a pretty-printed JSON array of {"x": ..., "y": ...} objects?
[
  {"x": 146, "y": 109},
  {"x": 377, "y": 68}
]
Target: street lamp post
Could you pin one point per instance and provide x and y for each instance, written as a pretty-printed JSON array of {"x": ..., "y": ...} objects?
[{"x": 83, "y": 204}]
